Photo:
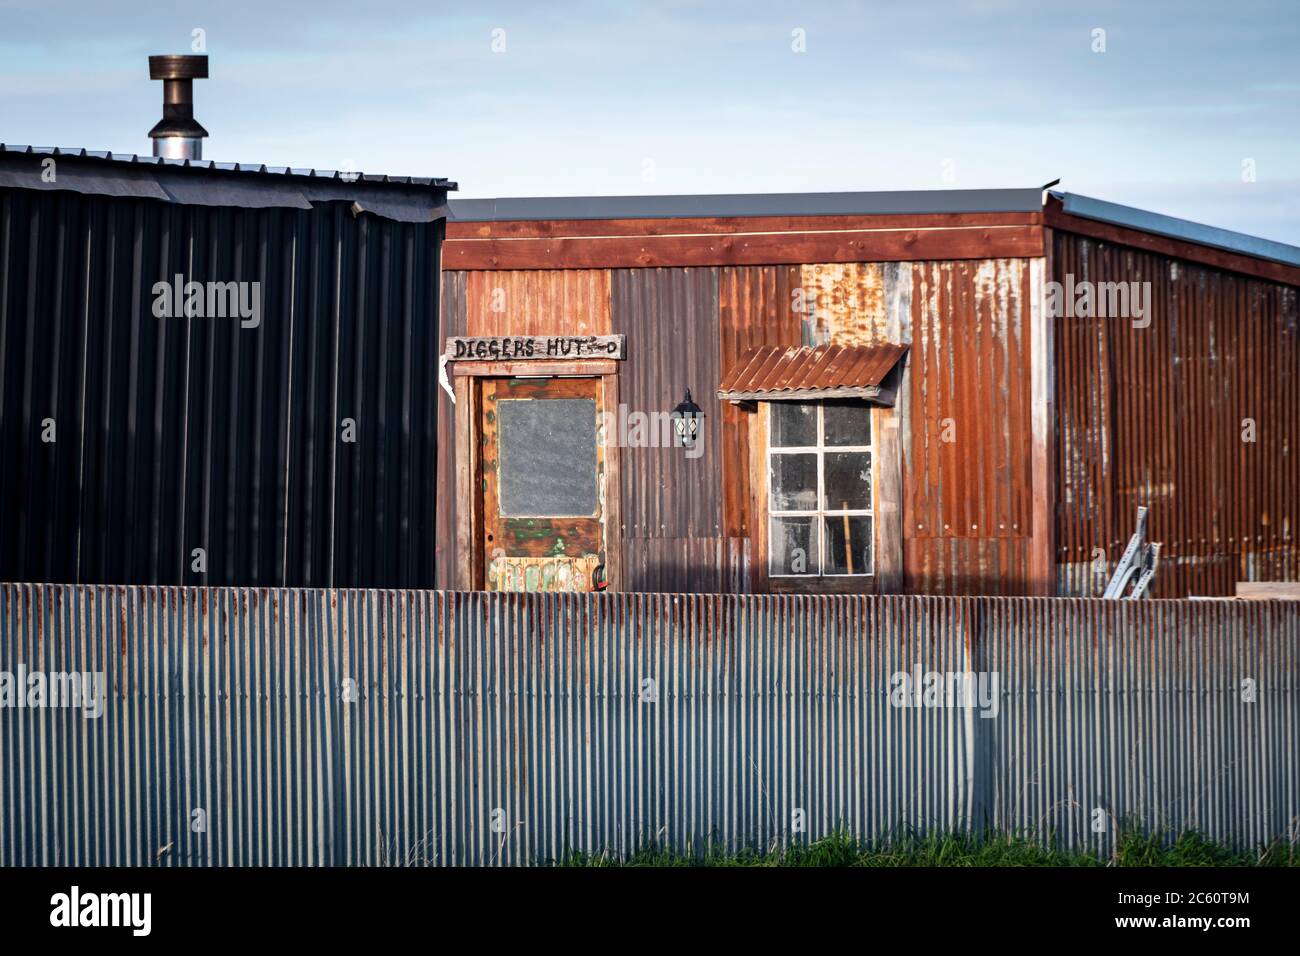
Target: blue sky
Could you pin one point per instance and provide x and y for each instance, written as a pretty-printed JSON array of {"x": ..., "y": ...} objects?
[{"x": 675, "y": 97}]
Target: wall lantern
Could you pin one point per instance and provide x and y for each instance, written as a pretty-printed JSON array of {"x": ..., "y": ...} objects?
[{"x": 686, "y": 421}]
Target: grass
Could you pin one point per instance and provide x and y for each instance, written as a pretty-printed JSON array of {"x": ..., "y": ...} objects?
[{"x": 841, "y": 849}]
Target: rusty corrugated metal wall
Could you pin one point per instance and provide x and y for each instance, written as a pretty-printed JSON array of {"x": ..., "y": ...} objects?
[
  {"x": 967, "y": 479},
  {"x": 966, "y": 410},
  {"x": 670, "y": 534},
  {"x": 174, "y": 434},
  {"x": 372, "y": 727},
  {"x": 1196, "y": 415},
  {"x": 537, "y": 302}
]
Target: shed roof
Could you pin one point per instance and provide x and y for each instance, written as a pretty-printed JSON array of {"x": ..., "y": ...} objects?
[
  {"x": 208, "y": 183},
  {"x": 1173, "y": 228},
  {"x": 884, "y": 203},
  {"x": 909, "y": 202}
]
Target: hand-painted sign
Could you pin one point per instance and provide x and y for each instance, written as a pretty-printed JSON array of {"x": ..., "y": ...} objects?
[{"x": 516, "y": 348}]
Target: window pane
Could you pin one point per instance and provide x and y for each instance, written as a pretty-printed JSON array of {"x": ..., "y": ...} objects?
[
  {"x": 847, "y": 423},
  {"x": 547, "y": 457},
  {"x": 794, "y": 483},
  {"x": 793, "y": 425},
  {"x": 793, "y": 548},
  {"x": 848, "y": 544},
  {"x": 848, "y": 480}
]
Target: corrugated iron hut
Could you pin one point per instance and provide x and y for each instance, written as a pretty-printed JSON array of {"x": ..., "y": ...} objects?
[
  {"x": 927, "y": 392},
  {"x": 214, "y": 373}
]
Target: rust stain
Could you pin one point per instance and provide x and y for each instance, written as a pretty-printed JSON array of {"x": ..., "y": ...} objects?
[
  {"x": 967, "y": 485},
  {"x": 847, "y": 302}
]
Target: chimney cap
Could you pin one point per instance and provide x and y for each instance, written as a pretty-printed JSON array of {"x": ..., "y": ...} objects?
[{"x": 178, "y": 66}]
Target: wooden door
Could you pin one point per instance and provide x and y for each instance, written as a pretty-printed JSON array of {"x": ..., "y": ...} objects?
[{"x": 543, "y": 484}]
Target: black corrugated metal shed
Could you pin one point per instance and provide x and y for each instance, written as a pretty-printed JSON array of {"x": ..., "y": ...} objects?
[{"x": 127, "y": 441}]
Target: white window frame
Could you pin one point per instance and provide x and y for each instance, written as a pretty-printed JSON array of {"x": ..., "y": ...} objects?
[{"x": 820, "y": 513}]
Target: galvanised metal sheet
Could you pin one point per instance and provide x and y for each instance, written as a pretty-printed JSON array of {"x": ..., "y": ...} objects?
[
  {"x": 1192, "y": 410},
  {"x": 128, "y": 440},
  {"x": 314, "y": 727},
  {"x": 670, "y": 318}
]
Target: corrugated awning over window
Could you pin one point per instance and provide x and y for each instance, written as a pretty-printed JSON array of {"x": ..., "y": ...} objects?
[{"x": 776, "y": 374}]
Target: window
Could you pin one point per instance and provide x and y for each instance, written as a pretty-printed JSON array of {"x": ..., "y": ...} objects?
[
  {"x": 547, "y": 457},
  {"x": 819, "y": 489}
]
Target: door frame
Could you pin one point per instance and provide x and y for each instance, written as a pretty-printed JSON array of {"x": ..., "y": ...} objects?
[{"x": 471, "y": 559}]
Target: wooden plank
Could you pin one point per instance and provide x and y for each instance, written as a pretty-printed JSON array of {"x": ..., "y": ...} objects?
[
  {"x": 758, "y": 497},
  {"x": 721, "y": 225},
  {"x": 818, "y": 584},
  {"x": 887, "y": 504},
  {"x": 612, "y": 511},
  {"x": 1055, "y": 218},
  {"x": 542, "y": 386},
  {"x": 880, "y": 245},
  {"x": 735, "y": 470},
  {"x": 898, "y": 328},
  {"x": 1042, "y": 360},
  {"x": 878, "y": 394},
  {"x": 1269, "y": 590},
  {"x": 583, "y": 369},
  {"x": 468, "y": 490},
  {"x": 535, "y": 348}
]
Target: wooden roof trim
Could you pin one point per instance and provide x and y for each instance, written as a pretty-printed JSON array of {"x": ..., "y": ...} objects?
[
  {"x": 733, "y": 225},
  {"x": 778, "y": 248}
]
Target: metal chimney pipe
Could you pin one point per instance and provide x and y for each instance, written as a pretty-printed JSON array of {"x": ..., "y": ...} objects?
[{"x": 177, "y": 135}]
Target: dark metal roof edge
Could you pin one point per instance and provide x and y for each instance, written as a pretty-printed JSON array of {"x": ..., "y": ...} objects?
[
  {"x": 1170, "y": 227},
  {"x": 207, "y": 165},
  {"x": 902, "y": 202}
]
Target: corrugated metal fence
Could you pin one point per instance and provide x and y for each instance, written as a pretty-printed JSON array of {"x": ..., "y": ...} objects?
[{"x": 368, "y": 727}]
